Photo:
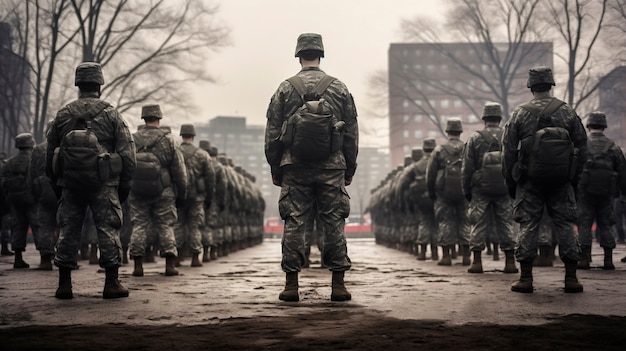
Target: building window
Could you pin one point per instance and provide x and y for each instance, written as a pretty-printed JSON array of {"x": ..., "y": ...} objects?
[
  {"x": 417, "y": 52},
  {"x": 430, "y": 68},
  {"x": 417, "y": 67},
  {"x": 444, "y": 68},
  {"x": 419, "y": 134},
  {"x": 432, "y": 134},
  {"x": 445, "y": 103},
  {"x": 405, "y": 118},
  {"x": 458, "y": 103},
  {"x": 405, "y": 133},
  {"x": 405, "y": 103},
  {"x": 418, "y": 118}
]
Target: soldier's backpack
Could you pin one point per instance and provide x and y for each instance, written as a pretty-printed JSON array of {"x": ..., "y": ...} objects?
[
  {"x": 195, "y": 186},
  {"x": 312, "y": 133},
  {"x": 551, "y": 154},
  {"x": 419, "y": 186},
  {"x": 82, "y": 161},
  {"x": 450, "y": 183},
  {"x": 148, "y": 179},
  {"x": 599, "y": 178},
  {"x": 491, "y": 179},
  {"x": 17, "y": 191}
]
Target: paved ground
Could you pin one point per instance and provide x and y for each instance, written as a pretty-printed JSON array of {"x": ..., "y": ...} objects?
[{"x": 387, "y": 285}]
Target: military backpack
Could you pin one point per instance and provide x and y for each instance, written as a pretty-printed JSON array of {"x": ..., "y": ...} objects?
[
  {"x": 148, "y": 179},
  {"x": 491, "y": 179},
  {"x": 14, "y": 184},
  {"x": 449, "y": 181},
  {"x": 599, "y": 178}
]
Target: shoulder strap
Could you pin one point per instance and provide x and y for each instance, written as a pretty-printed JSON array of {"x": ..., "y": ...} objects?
[
  {"x": 450, "y": 150},
  {"x": 607, "y": 147},
  {"x": 91, "y": 113},
  {"x": 151, "y": 145},
  {"x": 319, "y": 88},
  {"x": 546, "y": 112}
]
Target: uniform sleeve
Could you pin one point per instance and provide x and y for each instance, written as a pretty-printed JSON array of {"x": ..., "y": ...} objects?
[
  {"x": 431, "y": 172},
  {"x": 179, "y": 172},
  {"x": 275, "y": 117},
  {"x": 125, "y": 147},
  {"x": 469, "y": 164},
  {"x": 209, "y": 178},
  {"x": 510, "y": 139},
  {"x": 350, "y": 135}
]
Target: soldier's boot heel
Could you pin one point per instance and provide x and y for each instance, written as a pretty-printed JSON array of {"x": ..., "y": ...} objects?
[
  {"x": 465, "y": 252},
  {"x": 170, "y": 269},
  {"x": 205, "y": 254},
  {"x": 608, "y": 260},
  {"x": 421, "y": 255},
  {"x": 446, "y": 259},
  {"x": 138, "y": 271},
  {"x": 525, "y": 282},
  {"x": 113, "y": 289},
  {"x": 477, "y": 265},
  {"x": 509, "y": 262},
  {"x": 195, "y": 260},
  {"x": 46, "y": 263},
  {"x": 5, "y": 249},
  {"x": 64, "y": 291},
  {"x": 571, "y": 281},
  {"x": 584, "y": 263},
  {"x": 434, "y": 251},
  {"x": 19, "y": 262},
  {"x": 339, "y": 291},
  {"x": 290, "y": 293}
]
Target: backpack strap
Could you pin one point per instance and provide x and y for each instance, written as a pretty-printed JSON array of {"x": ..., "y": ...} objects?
[
  {"x": 318, "y": 90},
  {"x": 92, "y": 112},
  {"x": 450, "y": 150},
  {"x": 149, "y": 147},
  {"x": 489, "y": 138},
  {"x": 546, "y": 112}
]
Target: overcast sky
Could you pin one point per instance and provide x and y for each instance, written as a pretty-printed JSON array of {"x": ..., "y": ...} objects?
[{"x": 356, "y": 35}]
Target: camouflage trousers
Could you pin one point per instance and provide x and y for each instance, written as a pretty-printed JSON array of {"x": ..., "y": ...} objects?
[
  {"x": 89, "y": 234},
  {"x": 304, "y": 193},
  {"x": 45, "y": 229},
  {"x": 187, "y": 229},
  {"x": 528, "y": 210},
  {"x": 546, "y": 238},
  {"x": 156, "y": 215},
  {"x": 5, "y": 228},
  {"x": 600, "y": 210},
  {"x": 490, "y": 216},
  {"x": 21, "y": 219},
  {"x": 427, "y": 227},
  {"x": 127, "y": 227},
  {"x": 208, "y": 226},
  {"x": 107, "y": 215},
  {"x": 452, "y": 220}
]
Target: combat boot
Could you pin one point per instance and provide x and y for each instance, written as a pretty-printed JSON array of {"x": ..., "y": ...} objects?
[
  {"x": 113, "y": 289},
  {"x": 170, "y": 269},
  {"x": 93, "y": 254},
  {"x": 434, "y": 252},
  {"x": 545, "y": 257},
  {"x": 205, "y": 254},
  {"x": 446, "y": 259},
  {"x": 149, "y": 257},
  {"x": 586, "y": 258},
  {"x": 477, "y": 265},
  {"x": 213, "y": 255},
  {"x": 453, "y": 252},
  {"x": 19, "y": 262},
  {"x": 195, "y": 260},
  {"x": 125, "y": 255},
  {"x": 608, "y": 259},
  {"x": 509, "y": 262},
  {"x": 465, "y": 252},
  {"x": 290, "y": 293},
  {"x": 64, "y": 291},
  {"x": 421, "y": 255},
  {"x": 138, "y": 271},
  {"x": 496, "y": 252},
  {"x": 525, "y": 282},
  {"x": 84, "y": 252},
  {"x": 5, "y": 249},
  {"x": 339, "y": 291},
  {"x": 571, "y": 282},
  {"x": 46, "y": 263}
]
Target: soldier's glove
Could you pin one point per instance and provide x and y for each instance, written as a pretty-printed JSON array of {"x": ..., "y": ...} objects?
[
  {"x": 468, "y": 196},
  {"x": 348, "y": 181},
  {"x": 277, "y": 179},
  {"x": 122, "y": 193}
]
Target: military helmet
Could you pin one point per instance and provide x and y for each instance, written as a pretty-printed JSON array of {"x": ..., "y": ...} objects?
[
  {"x": 429, "y": 144},
  {"x": 492, "y": 110},
  {"x": 205, "y": 145},
  {"x": 213, "y": 151},
  {"x": 151, "y": 111},
  {"x": 453, "y": 125},
  {"x": 187, "y": 129},
  {"x": 24, "y": 140},
  {"x": 309, "y": 41},
  {"x": 417, "y": 154},
  {"x": 89, "y": 72},
  {"x": 540, "y": 75},
  {"x": 597, "y": 118}
]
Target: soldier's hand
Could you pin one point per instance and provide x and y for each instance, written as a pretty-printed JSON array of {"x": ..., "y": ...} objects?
[
  {"x": 348, "y": 181},
  {"x": 122, "y": 193},
  {"x": 277, "y": 179}
]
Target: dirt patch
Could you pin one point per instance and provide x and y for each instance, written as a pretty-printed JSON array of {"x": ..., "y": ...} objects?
[{"x": 340, "y": 330}]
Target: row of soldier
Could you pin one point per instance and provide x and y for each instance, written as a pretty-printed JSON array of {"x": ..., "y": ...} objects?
[
  {"x": 141, "y": 194},
  {"x": 470, "y": 194}
]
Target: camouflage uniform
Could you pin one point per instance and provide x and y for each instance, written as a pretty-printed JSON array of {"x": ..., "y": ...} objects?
[
  {"x": 427, "y": 227},
  {"x": 45, "y": 226},
  {"x": 158, "y": 213},
  {"x": 305, "y": 185},
  {"x": 600, "y": 208},
  {"x": 5, "y": 210},
  {"x": 199, "y": 191},
  {"x": 23, "y": 212}
]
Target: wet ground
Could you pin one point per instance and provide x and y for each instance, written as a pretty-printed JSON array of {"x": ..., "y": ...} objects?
[{"x": 398, "y": 303}]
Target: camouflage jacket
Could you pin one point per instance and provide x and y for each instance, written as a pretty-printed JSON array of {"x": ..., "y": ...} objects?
[
  {"x": 521, "y": 125},
  {"x": 38, "y": 181},
  {"x": 165, "y": 150},
  {"x": 475, "y": 148},
  {"x": 286, "y": 101},
  {"x": 596, "y": 144},
  {"x": 200, "y": 164},
  {"x": 221, "y": 185},
  {"x": 108, "y": 125},
  {"x": 437, "y": 163},
  {"x": 17, "y": 166}
]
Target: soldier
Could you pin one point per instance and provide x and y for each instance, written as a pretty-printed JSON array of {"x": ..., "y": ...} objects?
[
  {"x": 45, "y": 225},
  {"x": 427, "y": 223},
  {"x": 537, "y": 164},
  {"x": 19, "y": 196},
  {"x": 5, "y": 210},
  {"x": 443, "y": 178},
  {"x": 321, "y": 182},
  {"x": 100, "y": 183},
  {"x": 486, "y": 192},
  {"x": 604, "y": 174},
  {"x": 217, "y": 207},
  {"x": 201, "y": 182},
  {"x": 205, "y": 228},
  {"x": 159, "y": 184}
]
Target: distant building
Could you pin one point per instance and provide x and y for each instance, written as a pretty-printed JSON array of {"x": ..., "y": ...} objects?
[
  {"x": 14, "y": 92},
  {"x": 612, "y": 91},
  {"x": 425, "y": 83},
  {"x": 372, "y": 168}
]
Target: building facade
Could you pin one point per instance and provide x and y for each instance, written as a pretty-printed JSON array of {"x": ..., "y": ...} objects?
[
  {"x": 430, "y": 83},
  {"x": 611, "y": 93}
]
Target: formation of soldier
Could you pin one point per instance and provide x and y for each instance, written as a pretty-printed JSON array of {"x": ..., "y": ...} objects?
[
  {"x": 497, "y": 189},
  {"x": 123, "y": 194}
]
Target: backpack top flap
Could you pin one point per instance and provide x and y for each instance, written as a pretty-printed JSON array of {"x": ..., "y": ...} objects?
[{"x": 317, "y": 91}]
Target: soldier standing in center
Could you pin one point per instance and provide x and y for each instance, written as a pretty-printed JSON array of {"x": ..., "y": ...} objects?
[
  {"x": 443, "y": 177},
  {"x": 486, "y": 192},
  {"x": 305, "y": 184},
  {"x": 153, "y": 205},
  {"x": 201, "y": 182}
]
